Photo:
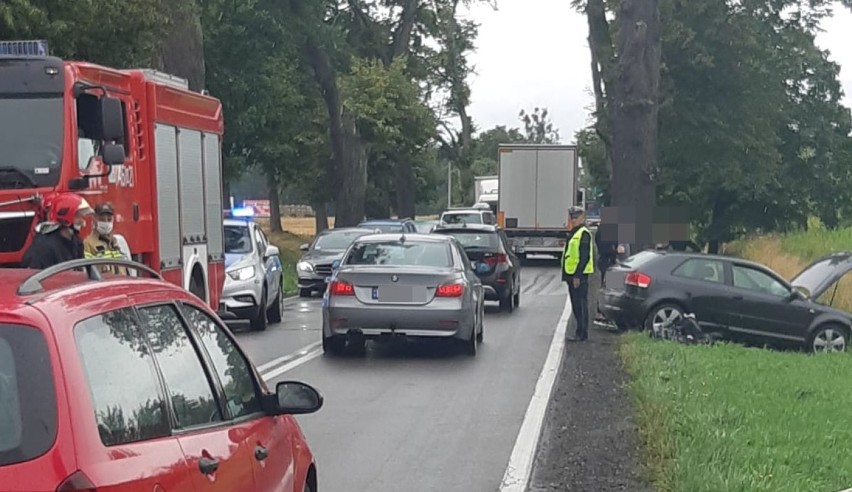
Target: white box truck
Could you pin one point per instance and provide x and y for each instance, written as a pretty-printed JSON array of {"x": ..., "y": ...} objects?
[
  {"x": 538, "y": 184},
  {"x": 485, "y": 191}
]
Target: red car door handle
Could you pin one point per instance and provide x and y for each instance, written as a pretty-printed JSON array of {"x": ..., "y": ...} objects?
[
  {"x": 208, "y": 466},
  {"x": 261, "y": 453}
]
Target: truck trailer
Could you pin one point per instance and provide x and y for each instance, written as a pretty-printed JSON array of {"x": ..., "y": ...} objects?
[
  {"x": 538, "y": 184},
  {"x": 139, "y": 139}
]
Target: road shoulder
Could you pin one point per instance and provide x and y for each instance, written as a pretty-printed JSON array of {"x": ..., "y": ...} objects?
[{"x": 589, "y": 441}]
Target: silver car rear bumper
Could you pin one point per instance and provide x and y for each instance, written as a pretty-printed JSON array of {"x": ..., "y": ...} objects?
[{"x": 415, "y": 321}]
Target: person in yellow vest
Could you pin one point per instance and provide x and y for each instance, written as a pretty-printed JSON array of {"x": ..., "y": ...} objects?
[
  {"x": 101, "y": 243},
  {"x": 577, "y": 265}
]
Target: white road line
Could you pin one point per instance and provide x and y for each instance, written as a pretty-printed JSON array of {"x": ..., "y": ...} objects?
[
  {"x": 299, "y": 353},
  {"x": 307, "y": 357},
  {"x": 517, "y": 476}
]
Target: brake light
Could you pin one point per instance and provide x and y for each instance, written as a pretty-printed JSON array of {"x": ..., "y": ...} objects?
[
  {"x": 450, "y": 290},
  {"x": 341, "y": 288},
  {"x": 77, "y": 482},
  {"x": 637, "y": 279},
  {"x": 497, "y": 259}
]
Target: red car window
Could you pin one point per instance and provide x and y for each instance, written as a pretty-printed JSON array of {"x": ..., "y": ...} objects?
[
  {"x": 27, "y": 395},
  {"x": 127, "y": 396},
  {"x": 231, "y": 367},
  {"x": 187, "y": 384}
]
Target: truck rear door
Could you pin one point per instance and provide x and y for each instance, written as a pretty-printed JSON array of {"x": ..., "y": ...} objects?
[{"x": 554, "y": 187}]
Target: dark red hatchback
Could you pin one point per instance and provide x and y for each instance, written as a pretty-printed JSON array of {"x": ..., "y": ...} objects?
[{"x": 133, "y": 384}]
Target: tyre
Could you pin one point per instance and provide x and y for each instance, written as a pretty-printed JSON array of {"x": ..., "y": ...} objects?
[
  {"x": 508, "y": 302},
  {"x": 258, "y": 323},
  {"x": 470, "y": 344},
  {"x": 829, "y": 338},
  {"x": 333, "y": 345},
  {"x": 662, "y": 316},
  {"x": 273, "y": 314},
  {"x": 196, "y": 286},
  {"x": 517, "y": 299},
  {"x": 307, "y": 488},
  {"x": 481, "y": 323},
  {"x": 304, "y": 292}
]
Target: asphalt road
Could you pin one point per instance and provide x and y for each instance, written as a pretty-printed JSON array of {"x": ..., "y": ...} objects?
[{"x": 418, "y": 416}]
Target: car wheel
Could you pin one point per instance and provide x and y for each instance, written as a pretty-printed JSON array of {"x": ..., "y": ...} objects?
[
  {"x": 470, "y": 344},
  {"x": 304, "y": 292},
  {"x": 517, "y": 299},
  {"x": 829, "y": 338},
  {"x": 333, "y": 345},
  {"x": 508, "y": 303},
  {"x": 273, "y": 314},
  {"x": 258, "y": 323},
  {"x": 481, "y": 323},
  {"x": 662, "y": 316}
]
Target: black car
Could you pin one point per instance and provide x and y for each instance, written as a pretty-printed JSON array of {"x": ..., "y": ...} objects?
[
  {"x": 403, "y": 226},
  {"x": 735, "y": 298},
  {"x": 495, "y": 264},
  {"x": 314, "y": 268}
]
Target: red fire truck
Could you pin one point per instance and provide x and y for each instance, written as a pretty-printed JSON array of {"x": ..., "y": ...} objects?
[{"x": 139, "y": 139}]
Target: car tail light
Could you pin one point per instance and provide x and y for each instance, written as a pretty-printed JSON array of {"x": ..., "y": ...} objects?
[
  {"x": 341, "y": 288},
  {"x": 497, "y": 259},
  {"x": 77, "y": 482},
  {"x": 637, "y": 279},
  {"x": 450, "y": 290}
]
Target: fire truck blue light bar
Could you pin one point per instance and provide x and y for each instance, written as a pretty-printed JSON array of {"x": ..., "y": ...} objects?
[{"x": 29, "y": 48}]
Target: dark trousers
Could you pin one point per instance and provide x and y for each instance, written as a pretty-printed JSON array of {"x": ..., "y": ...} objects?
[{"x": 580, "y": 307}]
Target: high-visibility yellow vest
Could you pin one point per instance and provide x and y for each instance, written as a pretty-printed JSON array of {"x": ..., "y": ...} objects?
[{"x": 571, "y": 256}]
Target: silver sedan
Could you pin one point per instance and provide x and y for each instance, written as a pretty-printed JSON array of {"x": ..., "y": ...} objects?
[{"x": 413, "y": 285}]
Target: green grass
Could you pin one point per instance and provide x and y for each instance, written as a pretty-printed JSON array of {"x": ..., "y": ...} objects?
[
  {"x": 816, "y": 242},
  {"x": 288, "y": 244},
  {"x": 729, "y": 418}
]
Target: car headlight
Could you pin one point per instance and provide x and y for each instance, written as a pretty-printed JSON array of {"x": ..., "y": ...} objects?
[
  {"x": 304, "y": 266},
  {"x": 244, "y": 273}
]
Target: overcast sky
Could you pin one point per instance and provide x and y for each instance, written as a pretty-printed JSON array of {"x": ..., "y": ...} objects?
[{"x": 534, "y": 53}]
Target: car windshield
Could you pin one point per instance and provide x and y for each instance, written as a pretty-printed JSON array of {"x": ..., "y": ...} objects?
[
  {"x": 27, "y": 395},
  {"x": 383, "y": 227},
  {"x": 463, "y": 218},
  {"x": 31, "y": 139},
  {"x": 475, "y": 239},
  {"x": 336, "y": 240},
  {"x": 396, "y": 253},
  {"x": 237, "y": 240},
  {"x": 426, "y": 227}
]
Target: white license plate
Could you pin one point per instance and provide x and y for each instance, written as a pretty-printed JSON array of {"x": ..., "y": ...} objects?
[{"x": 395, "y": 293}]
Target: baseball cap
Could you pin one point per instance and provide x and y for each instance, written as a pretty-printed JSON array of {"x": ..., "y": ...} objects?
[{"x": 104, "y": 208}]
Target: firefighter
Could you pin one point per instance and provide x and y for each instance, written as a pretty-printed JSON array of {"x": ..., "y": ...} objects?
[
  {"x": 102, "y": 243},
  {"x": 58, "y": 239},
  {"x": 577, "y": 265}
]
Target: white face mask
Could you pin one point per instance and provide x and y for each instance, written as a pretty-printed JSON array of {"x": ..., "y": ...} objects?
[{"x": 104, "y": 228}]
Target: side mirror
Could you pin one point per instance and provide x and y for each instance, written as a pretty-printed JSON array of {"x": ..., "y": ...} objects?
[
  {"x": 295, "y": 398},
  {"x": 304, "y": 247},
  {"x": 271, "y": 251},
  {"x": 335, "y": 264},
  {"x": 111, "y": 119},
  {"x": 113, "y": 154}
]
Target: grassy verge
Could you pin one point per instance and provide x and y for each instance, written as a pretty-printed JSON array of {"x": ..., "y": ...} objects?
[
  {"x": 729, "y": 418},
  {"x": 288, "y": 243}
]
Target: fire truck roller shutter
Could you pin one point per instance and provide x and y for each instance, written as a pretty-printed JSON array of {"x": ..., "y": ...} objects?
[
  {"x": 168, "y": 205},
  {"x": 192, "y": 220},
  {"x": 213, "y": 189}
]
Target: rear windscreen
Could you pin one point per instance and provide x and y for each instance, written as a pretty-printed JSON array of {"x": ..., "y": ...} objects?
[
  {"x": 462, "y": 218},
  {"x": 475, "y": 240},
  {"x": 431, "y": 254},
  {"x": 27, "y": 395}
]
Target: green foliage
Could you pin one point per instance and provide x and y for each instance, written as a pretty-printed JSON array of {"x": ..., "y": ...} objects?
[
  {"x": 117, "y": 34},
  {"x": 538, "y": 128},
  {"x": 737, "y": 419}
]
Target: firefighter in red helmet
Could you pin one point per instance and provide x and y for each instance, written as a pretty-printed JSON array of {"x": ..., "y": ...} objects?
[{"x": 58, "y": 239}]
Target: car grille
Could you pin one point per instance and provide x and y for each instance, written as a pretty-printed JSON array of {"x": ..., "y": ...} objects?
[
  {"x": 13, "y": 233},
  {"x": 323, "y": 269}
]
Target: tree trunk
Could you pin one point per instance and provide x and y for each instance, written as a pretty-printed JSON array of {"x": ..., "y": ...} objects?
[
  {"x": 182, "y": 50},
  {"x": 634, "y": 114},
  {"x": 274, "y": 205},
  {"x": 320, "y": 217},
  {"x": 406, "y": 189}
]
